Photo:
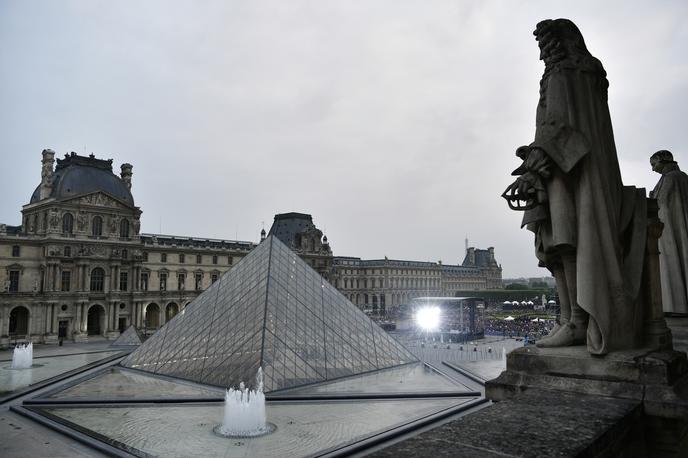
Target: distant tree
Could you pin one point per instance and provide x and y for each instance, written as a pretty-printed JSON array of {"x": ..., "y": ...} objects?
[
  {"x": 516, "y": 286},
  {"x": 538, "y": 284}
]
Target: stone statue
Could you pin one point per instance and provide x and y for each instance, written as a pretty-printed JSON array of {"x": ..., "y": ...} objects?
[
  {"x": 671, "y": 193},
  {"x": 54, "y": 218},
  {"x": 81, "y": 221},
  {"x": 114, "y": 223},
  {"x": 590, "y": 230}
]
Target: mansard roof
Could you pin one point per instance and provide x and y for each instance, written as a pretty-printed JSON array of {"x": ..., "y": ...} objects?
[{"x": 76, "y": 175}]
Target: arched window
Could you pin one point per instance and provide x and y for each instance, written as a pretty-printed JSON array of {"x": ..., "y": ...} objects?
[
  {"x": 67, "y": 223},
  {"x": 97, "y": 279},
  {"x": 97, "y": 226},
  {"x": 124, "y": 228},
  {"x": 19, "y": 321}
]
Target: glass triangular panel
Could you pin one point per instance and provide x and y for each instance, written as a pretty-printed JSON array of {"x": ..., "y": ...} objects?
[{"x": 270, "y": 310}]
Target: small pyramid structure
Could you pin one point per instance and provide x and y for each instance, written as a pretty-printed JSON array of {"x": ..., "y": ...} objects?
[
  {"x": 272, "y": 310},
  {"x": 130, "y": 337}
]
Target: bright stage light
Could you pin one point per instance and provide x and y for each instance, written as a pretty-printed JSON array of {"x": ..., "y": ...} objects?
[{"x": 428, "y": 318}]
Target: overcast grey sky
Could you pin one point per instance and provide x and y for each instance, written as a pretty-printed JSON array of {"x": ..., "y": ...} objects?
[{"x": 393, "y": 122}]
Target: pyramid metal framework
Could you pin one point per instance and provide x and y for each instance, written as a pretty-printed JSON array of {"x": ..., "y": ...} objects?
[
  {"x": 272, "y": 310},
  {"x": 130, "y": 337}
]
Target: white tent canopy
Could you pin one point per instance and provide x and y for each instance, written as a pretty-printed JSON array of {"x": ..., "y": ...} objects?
[{"x": 509, "y": 318}]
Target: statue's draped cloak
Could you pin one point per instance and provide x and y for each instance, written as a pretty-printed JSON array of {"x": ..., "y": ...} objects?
[
  {"x": 672, "y": 196},
  {"x": 590, "y": 211}
]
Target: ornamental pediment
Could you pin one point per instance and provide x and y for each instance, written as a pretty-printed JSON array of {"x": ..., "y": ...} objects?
[{"x": 100, "y": 199}]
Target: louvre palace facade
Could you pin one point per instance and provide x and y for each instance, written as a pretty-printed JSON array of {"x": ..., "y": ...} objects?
[{"x": 78, "y": 265}]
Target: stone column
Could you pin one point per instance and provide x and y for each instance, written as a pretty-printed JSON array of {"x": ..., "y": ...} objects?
[
  {"x": 657, "y": 333},
  {"x": 115, "y": 325},
  {"x": 54, "y": 324},
  {"x": 5, "y": 320},
  {"x": 55, "y": 282},
  {"x": 114, "y": 286},
  {"x": 136, "y": 318},
  {"x": 48, "y": 317},
  {"x": 84, "y": 317},
  {"x": 108, "y": 317}
]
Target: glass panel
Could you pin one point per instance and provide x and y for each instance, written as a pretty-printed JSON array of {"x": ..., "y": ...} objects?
[{"x": 271, "y": 310}]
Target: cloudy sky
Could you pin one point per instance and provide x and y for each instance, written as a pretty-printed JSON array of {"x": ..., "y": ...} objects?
[{"x": 393, "y": 122}]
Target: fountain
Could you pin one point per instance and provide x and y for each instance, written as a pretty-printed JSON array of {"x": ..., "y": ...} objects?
[
  {"x": 244, "y": 414},
  {"x": 22, "y": 358}
]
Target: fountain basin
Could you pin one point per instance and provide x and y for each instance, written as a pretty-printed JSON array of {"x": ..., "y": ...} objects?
[{"x": 267, "y": 429}]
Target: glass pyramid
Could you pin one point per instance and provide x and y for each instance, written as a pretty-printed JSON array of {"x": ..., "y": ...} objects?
[
  {"x": 130, "y": 337},
  {"x": 271, "y": 311}
]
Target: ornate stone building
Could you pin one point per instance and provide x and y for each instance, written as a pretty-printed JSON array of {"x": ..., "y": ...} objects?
[
  {"x": 297, "y": 231},
  {"x": 380, "y": 284},
  {"x": 78, "y": 265}
]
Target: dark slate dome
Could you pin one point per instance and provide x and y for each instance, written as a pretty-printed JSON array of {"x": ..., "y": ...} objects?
[{"x": 76, "y": 175}]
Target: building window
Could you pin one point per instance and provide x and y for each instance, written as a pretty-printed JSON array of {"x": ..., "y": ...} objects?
[
  {"x": 66, "y": 280},
  {"x": 199, "y": 281},
  {"x": 97, "y": 226},
  {"x": 14, "y": 281},
  {"x": 125, "y": 254},
  {"x": 180, "y": 282},
  {"x": 163, "y": 257},
  {"x": 67, "y": 223},
  {"x": 163, "y": 281},
  {"x": 181, "y": 259},
  {"x": 68, "y": 251},
  {"x": 97, "y": 279},
  {"x": 214, "y": 259},
  {"x": 199, "y": 259},
  {"x": 144, "y": 281},
  {"x": 15, "y": 251},
  {"x": 213, "y": 278},
  {"x": 124, "y": 228},
  {"x": 145, "y": 256},
  {"x": 124, "y": 281},
  {"x": 230, "y": 260}
]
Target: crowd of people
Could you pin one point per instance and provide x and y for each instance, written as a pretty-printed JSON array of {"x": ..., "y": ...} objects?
[{"x": 518, "y": 327}]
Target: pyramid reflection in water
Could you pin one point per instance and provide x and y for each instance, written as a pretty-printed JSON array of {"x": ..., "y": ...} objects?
[{"x": 271, "y": 310}]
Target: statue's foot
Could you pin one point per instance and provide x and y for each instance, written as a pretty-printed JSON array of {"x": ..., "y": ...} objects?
[
  {"x": 542, "y": 342},
  {"x": 564, "y": 337},
  {"x": 573, "y": 335},
  {"x": 554, "y": 330}
]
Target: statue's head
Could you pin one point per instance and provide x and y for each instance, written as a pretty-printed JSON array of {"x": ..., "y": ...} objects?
[
  {"x": 660, "y": 159},
  {"x": 558, "y": 39}
]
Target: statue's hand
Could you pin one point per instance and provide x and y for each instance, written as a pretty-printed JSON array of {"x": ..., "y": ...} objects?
[
  {"x": 521, "y": 194},
  {"x": 538, "y": 162}
]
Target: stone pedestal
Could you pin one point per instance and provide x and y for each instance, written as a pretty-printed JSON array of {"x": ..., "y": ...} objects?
[
  {"x": 658, "y": 380},
  {"x": 50, "y": 339},
  {"x": 80, "y": 337}
]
